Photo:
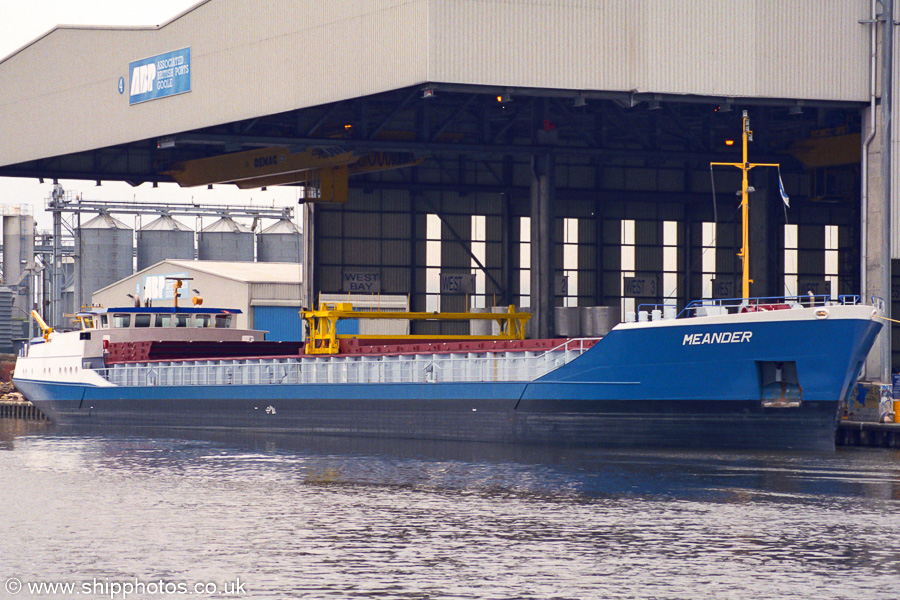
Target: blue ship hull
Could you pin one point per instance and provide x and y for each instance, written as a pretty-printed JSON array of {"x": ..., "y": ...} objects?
[
  {"x": 689, "y": 383},
  {"x": 470, "y": 416}
]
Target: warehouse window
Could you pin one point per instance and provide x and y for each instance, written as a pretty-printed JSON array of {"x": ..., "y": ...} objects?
[
  {"x": 432, "y": 263},
  {"x": 627, "y": 266},
  {"x": 479, "y": 251},
  {"x": 831, "y": 258},
  {"x": 708, "y": 258},
  {"x": 670, "y": 262},
  {"x": 790, "y": 260},
  {"x": 570, "y": 261},
  {"x": 524, "y": 262}
]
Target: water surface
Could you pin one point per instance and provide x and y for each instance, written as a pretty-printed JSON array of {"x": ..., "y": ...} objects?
[{"x": 322, "y": 518}]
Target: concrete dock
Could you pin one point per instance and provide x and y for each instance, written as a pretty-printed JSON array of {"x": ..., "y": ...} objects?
[{"x": 872, "y": 435}]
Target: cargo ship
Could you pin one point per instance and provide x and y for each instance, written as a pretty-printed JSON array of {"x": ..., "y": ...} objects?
[
  {"x": 742, "y": 373},
  {"x": 722, "y": 374}
]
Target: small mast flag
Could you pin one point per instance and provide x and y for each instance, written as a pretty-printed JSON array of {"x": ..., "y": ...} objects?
[{"x": 784, "y": 197}]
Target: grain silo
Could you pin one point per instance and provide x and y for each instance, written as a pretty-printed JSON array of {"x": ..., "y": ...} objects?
[
  {"x": 104, "y": 247},
  {"x": 280, "y": 242},
  {"x": 164, "y": 238},
  {"x": 225, "y": 240}
]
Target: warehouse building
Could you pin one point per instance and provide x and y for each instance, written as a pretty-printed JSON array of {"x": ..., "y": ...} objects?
[
  {"x": 479, "y": 153},
  {"x": 269, "y": 295}
]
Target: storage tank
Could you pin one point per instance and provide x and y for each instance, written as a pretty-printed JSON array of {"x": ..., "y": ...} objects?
[
  {"x": 225, "y": 240},
  {"x": 280, "y": 242},
  {"x": 568, "y": 321},
  {"x": 597, "y": 321},
  {"x": 105, "y": 250},
  {"x": 162, "y": 239},
  {"x": 18, "y": 257}
]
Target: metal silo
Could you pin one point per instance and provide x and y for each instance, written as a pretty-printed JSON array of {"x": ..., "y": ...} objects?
[
  {"x": 225, "y": 240},
  {"x": 164, "y": 238},
  {"x": 104, "y": 248},
  {"x": 280, "y": 242}
]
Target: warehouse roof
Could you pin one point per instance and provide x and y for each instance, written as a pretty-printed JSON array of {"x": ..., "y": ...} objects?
[{"x": 247, "y": 272}]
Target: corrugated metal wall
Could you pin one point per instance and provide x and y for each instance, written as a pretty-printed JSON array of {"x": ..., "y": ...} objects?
[
  {"x": 764, "y": 48},
  {"x": 282, "y": 322},
  {"x": 275, "y": 291},
  {"x": 256, "y": 57},
  {"x": 373, "y": 232},
  {"x": 875, "y": 153}
]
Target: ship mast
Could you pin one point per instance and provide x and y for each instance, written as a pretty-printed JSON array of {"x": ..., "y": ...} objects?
[{"x": 745, "y": 166}]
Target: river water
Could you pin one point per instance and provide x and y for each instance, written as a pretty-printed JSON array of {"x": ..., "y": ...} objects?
[{"x": 160, "y": 515}]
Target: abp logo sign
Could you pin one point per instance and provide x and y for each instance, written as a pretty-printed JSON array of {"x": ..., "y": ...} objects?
[{"x": 160, "y": 76}]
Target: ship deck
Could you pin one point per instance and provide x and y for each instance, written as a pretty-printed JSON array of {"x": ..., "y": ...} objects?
[{"x": 406, "y": 363}]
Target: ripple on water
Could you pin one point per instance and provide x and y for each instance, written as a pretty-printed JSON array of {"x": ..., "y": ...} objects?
[{"x": 294, "y": 521}]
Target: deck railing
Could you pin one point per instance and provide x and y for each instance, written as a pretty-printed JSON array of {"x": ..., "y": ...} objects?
[
  {"x": 733, "y": 305},
  {"x": 494, "y": 366}
]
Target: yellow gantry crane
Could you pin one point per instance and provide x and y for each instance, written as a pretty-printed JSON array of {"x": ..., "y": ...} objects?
[
  {"x": 745, "y": 166},
  {"x": 324, "y": 339}
]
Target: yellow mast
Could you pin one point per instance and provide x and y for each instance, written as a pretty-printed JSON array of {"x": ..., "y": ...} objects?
[{"x": 745, "y": 166}]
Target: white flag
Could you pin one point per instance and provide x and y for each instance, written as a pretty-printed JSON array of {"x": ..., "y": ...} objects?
[{"x": 784, "y": 197}]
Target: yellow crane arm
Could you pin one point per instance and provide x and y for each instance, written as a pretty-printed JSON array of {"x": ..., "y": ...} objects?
[{"x": 45, "y": 329}]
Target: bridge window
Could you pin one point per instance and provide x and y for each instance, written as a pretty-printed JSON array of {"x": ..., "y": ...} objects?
[
  {"x": 202, "y": 320},
  {"x": 182, "y": 320},
  {"x": 164, "y": 320},
  {"x": 223, "y": 321},
  {"x": 120, "y": 320},
  {"x": 142, "y": 320}
]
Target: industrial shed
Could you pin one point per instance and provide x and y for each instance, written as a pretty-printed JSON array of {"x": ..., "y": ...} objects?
[
  {"x": 268, "y": 294},
  {"x": 550, "y": 149}
]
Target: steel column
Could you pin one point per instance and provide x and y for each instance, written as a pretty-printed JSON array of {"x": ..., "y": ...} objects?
[{"x": 542, "y": 279}]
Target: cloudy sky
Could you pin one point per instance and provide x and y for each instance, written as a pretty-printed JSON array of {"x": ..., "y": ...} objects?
[{"x": 21, "y": 21}]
